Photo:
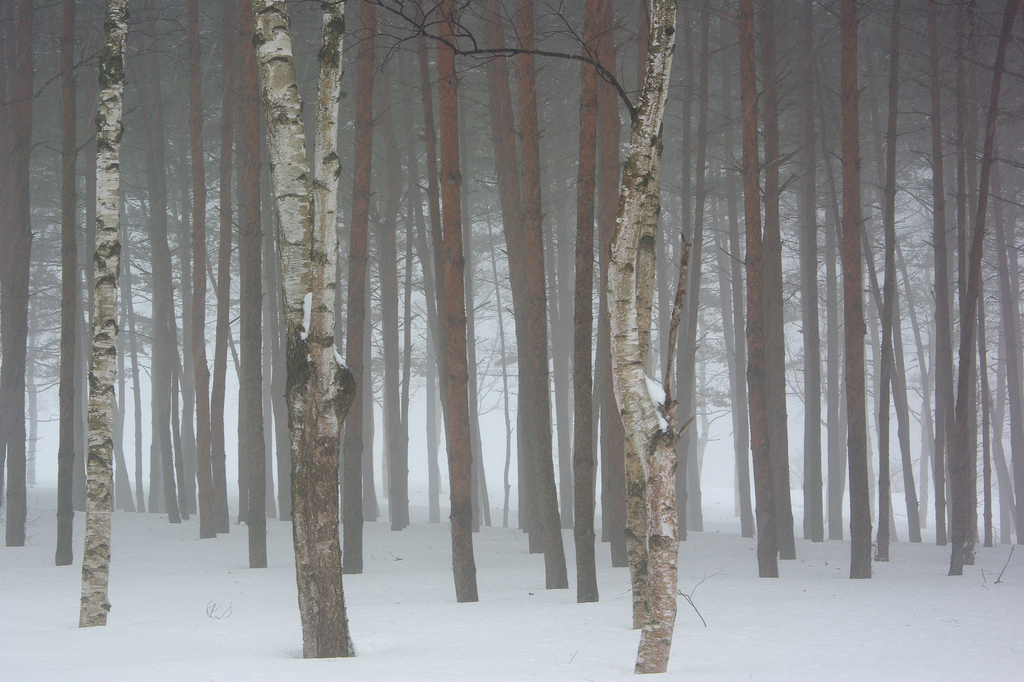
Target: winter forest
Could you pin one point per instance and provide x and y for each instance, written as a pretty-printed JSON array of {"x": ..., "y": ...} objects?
[{"x": 676, "y": 336}]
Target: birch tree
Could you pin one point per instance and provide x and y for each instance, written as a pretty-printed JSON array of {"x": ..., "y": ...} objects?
[
  {"x": 320, "y": 389},
  {"x": 106, "y": 261},
  {"x": 647, "y": 411}
]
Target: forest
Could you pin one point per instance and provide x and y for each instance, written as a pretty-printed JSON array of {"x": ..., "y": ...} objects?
[{"x": 676, "y": 336}]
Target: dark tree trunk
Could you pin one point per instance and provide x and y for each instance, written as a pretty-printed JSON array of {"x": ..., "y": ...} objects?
[
  {"x": 960, "y": 468},
  {"x": 767, "y": 550},
  {"x": 207, "y": 500},
  {"x": 223, "y": 285},
  {"x": 252, "y": 447},
  {"x": 68, "y": 287},
  {"x": 853, "y": 303},
  {"x": 16, "y": 229},
  {"x": 459, "y": 448},
  {"x": 943, "y": 365},
  {"x": 583, "y": 322},
  {"x": 357, "y": 284},
  {"x": 774, "y": 342},
  {"x": 813, "y": 521}
]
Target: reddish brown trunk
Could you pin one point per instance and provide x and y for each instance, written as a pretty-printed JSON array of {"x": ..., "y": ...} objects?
[
  {"x": 223, "y": 329},
  {"x": 68, "y": 286},
  {"x": 207, "y": 503},
  {"x": 357, "y": 279},
  {"x": 767, "y": 553},
  {"x": 460, "y": 464},
  {"x": 251, "y": 441}
]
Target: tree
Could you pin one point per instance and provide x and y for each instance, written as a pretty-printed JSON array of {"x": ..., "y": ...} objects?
[
  {"x": 583, "y": 322},
  {"x": 68, "y": 287},
  {"x": 99, "y": 504},
  {"x": 460, "y": 465},
  {"x": 320, "y": 388},
  {"x": 853, "y": 302},
  {"x": 14, "y": 267},
  {"x": 767, "y": 552},
  {"x": 649, "y": 422}
]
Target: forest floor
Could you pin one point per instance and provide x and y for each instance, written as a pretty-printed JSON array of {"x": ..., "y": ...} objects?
[{"x": 190, "y": 610}]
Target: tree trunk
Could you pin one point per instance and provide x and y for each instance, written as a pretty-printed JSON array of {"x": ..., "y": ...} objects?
[
  {"x": 943, "y": 366},
  {"x": 320, "y": 388},
  {"x": 455, "y": 383},
  {"x": 889, "y": 290},
  {"x": 223, "y": 286},
  {"x": 813, "y": 521},
  {"x": 68, "y": 287},
  {"x": 651, "y": 426},
  {"x": 774, "y": 343},
  {"x": 96, "y": 556},
  {"x": 961, "y": 474},
  {"x": 16, "y": 229},
  {"x": 853, "y": 303},
  {"x": 357, "y": 283},
  {"x": 767, "y": 551},
  {"x": 207, "y": 503},
  {"x": 583, "y": 321},
  {"x": 252, "y": 446}
]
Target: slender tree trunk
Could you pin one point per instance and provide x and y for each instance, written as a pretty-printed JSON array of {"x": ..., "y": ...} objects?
[
  {"x": 771, "y": 264},
  {"x": 961, "y": 474},
  {"x": 651, "y": 426},
  {"x": 357, "y": 283},
  {"x": 889, "y": 290},
  {"x": 853, "y": 303},
  {"x": 455, "y": 383},
  {"x": 397, "y": 449},
  {"x": 68, "y": 287},
  {"x": 986, "y": 402},
  {"x": 223, "y": 285},
  {"x": 320, "y": 389},
  {"x": 252, "y": 446},
  {"x": 16, "y": 229},
  {"x": 943, "y": 371},
  {"x": 813, "y": 521},
  {"x": 96, "y": 556},
  {"x": 122, "y": 487},
  {"x": 583, "y": 321},
  {"x": 207, "y": 503},
  {"x": 767, "y": 552}
]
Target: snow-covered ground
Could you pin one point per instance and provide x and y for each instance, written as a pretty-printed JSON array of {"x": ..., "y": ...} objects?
[{"x": 190, "y": 610}]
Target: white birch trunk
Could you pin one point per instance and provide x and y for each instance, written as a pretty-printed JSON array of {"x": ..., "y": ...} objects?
[
  {"x": 106, "y": 261},
  {"x": 319, "y": 388},
  {"x": 650, "y": 426}
]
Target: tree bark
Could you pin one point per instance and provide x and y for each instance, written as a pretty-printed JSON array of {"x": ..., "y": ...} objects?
[
  {"x": 775, "y": 351},
  {"x": 459, "y": 447},
  {"x": 252, "y": 446},
  {"x": 960, "y": 467},
  {"x": 109, "y": 127},
  {"x": 320, "y": 388},
  {"x": 16, "y": 229},
  {"x": 583, "y": 321},
  {"x": 651, "y": 426},
  {"x": 223, "y": 325},
  {"x": 853, "y": 303},
  {"x": 767, "y": 551},
  {"x": 357, "y": 283},
  {"x": 68, "y": 287},
  {"x": 813, "y": 521}
]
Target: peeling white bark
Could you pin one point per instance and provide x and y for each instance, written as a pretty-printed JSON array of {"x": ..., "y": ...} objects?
[
  {"x": 629, "y": 277},
  {"x": 320, "y": 388},
  {"x": 106, "y": 260}
]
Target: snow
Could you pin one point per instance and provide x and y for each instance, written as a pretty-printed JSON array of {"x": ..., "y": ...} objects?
[
  {"x": 185, "y": 609},
  {"x": 657, "y": 394},
  {"x": 307, "y": 315}
]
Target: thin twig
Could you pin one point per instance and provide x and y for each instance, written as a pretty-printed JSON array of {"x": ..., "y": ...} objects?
[{"x": 1000, "y": 578}]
